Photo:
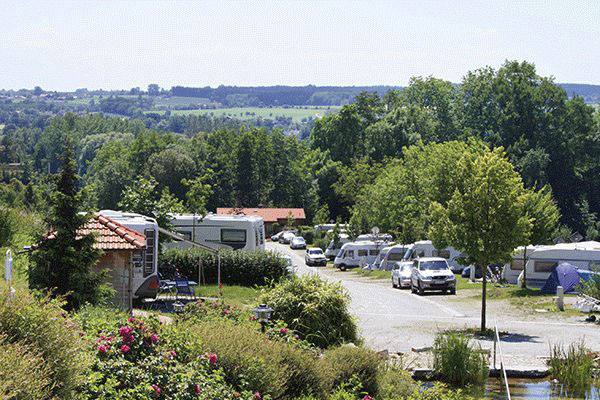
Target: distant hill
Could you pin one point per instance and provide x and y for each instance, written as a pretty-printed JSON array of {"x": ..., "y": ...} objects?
[
  {"x": 259, "y": 96},
  {"x": 590, "y": 93}
]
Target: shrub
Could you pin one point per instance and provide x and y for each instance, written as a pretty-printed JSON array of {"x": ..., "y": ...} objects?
[
  {"x": 252, "y": 362},
  {"x": 245, "y": 268},
  {"x": 394, "y": 382},
  {"x": 456, "y": 362},
  {"x": 23, "y": 373},
  {"x": 308, "y": 233},
  {"x": 44, "y": 328},
  {"x": 438, "y": 392},
  {"x": 341, "y": 364},
  {"x": 573, "y": 368},
  {"x": 321, "y": 243},
  {"x": 315, "y": 308},
  {"x": 592, "y": 286},
  {"x": 143, "y": 359},
  {"x": 200, "y": 310}
]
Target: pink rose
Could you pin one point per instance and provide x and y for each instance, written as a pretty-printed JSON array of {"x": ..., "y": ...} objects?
[
  {"x": 156, "y": 390},
  {"x": 102, "y": 349},
  {"x": 283, "y": 330},
  {"x": 212, "y": 358},
  {"x": 256, "y": 395},
  {"x": 154, "y": 338},
  {"x": 173, "y": 354},
  {"x": 367, "y": 397},
  {"x": 198, "y": 389},
  {"x": 131, "y": 320},
  {"x": 125, "y": 349}
]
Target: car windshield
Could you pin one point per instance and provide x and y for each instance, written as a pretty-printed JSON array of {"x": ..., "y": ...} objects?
[
  {"x": 406, "y": 268},
  {"x": 316, "y": 252},
  {"x": 433, "y": 265}
]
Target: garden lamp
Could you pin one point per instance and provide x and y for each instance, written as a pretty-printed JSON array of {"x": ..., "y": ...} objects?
[
  {"x": 178, "y": 307},
  {"x": 263, "y": 315}
]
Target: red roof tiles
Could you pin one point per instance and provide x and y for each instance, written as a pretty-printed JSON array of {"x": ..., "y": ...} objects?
[
  {"x": 267, "y": 214},
  {"x": 110, "y": 235}
]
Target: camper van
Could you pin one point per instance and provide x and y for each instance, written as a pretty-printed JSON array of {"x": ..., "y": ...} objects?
[
  {"x": 395, "y": 254},
  {"x": 145, "y": 271},
  {"x": 425, "y": 248},
  {"x": 357, "y": 254},
  {"x": 378, "y": 260},
  {"x": 334, "y": 248},
  {"x": 542, "y": 261},
  {"x": 237, "y": 232}
]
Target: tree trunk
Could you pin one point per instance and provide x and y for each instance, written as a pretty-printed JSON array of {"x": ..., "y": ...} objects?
[{"x": 483, "y": 296}]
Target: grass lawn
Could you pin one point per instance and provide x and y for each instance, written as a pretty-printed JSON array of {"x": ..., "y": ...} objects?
[
  {"x": 296, "y": 113},
  {"x": 372, "y": 274},
  {"x": 234, "y": 295}
]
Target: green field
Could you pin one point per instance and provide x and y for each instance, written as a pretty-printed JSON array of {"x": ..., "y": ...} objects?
[{"x": 297, "y": 113}]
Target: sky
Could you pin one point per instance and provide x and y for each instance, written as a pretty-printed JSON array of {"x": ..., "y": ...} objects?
[{"x": 65, "y": 45}]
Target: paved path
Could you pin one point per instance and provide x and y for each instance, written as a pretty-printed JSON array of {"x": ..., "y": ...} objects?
[{"x": 398, "y": 321}]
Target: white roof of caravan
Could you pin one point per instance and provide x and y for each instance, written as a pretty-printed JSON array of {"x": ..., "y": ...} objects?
[
  {"x": 216, "y": 217},
  {"x": 129, "y": 216},
  {"x": 423, "y": 242},
  {"x": 589, "y": 245}
]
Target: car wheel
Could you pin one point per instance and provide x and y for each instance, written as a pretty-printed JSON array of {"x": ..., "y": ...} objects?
[
  {"x": 412, "y": 288},
  {"x": 342, "y": 267},
  {"x": 393, "y": 284},
  {"x": 444, "y": 291},
  {"x": 420, "y": 290},
  {"x": 453, "y": 291}
]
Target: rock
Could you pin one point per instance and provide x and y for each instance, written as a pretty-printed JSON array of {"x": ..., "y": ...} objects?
[{"x": 421, "y": 349}]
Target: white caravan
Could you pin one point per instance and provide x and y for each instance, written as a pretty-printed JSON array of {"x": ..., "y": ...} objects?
[
  {"x": 512, "y": 270},
  {"x": 425, "y": 248},
  {"x": 395, "y": 254},
  {"x": 334, "y": 248},
  {"x": 328, "y": 227},
  {"x": 542, "y": 261},
  {"x": 145, "y": 262},
  {"x": 357, "y": 254},
  {"x": 379, "y": 259},
  {"x": 237, "y": 232}
]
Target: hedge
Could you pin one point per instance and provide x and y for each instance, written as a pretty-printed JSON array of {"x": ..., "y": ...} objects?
[{"x": 245, "y": 268}]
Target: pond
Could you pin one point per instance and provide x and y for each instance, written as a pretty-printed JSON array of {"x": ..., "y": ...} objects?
[{"x": 524, "y": 389}]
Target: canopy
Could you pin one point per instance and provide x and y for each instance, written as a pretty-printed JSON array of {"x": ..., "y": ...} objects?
[{"x": 565, "y": 275}]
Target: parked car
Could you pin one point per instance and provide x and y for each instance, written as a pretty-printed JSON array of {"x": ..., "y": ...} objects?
[
  {"x": 289, "y": 263},
  {"x": 432, "y": 273},
  {"x": 401, "y": 273},
  {"x": 297, "y": 242},
  {"x": 315, "y": 256},
  {"x": 286, "y": 237},
  {"x": 276, "y": 236}
]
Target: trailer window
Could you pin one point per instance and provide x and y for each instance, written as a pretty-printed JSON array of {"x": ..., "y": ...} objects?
[
  {"x": 149, "y": 256},
  {"x": 185, "y": 234},
  {"x": 516, "y": 265},
  {"x": 444, "y": 253},
  {"x": 395, "y": 256},
  {"x": 233, "y": 235},
  {"x": 362, "y": 253},
  {"x": 373, "y": 252},
  {"x": 544, "y": 266},
  {"x": 349, "y": 254}
]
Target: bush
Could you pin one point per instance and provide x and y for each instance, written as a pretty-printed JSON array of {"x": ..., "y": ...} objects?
[
  {"x": 456, "y": 362},
  {"x": 43, "y": 327},
  {"x": 592, "y": 286},
  {"x": 573, "y": 368},
  {"x": 245, "y": 268},
  {"x": 143, "y": 359},
  {"x": 23, "y": 373},
  {"x": 315, "y": 308},
  {"x": 342, "y": 364},
  {"x": 321, "y": 243},
  {"x": 308, "y": 233},
  {"x": 394, "y": 382},
  {"x": 438, "y": 392},
  {"x": 252, "y": 362}
]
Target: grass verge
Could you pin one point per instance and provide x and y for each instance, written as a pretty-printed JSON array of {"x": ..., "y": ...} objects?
[{"x": 233, "y": 295}]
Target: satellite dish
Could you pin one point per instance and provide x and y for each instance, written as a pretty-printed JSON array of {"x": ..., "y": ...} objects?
[
  {"x": 375, "y": 230},
  {"x": 576, "y": 237}
]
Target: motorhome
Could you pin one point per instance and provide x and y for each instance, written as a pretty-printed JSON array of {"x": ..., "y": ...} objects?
[
  {"x": 542, "y": 261},
  {"x": 237, "y": 232},
  {"x": 358, "y": 254},
  {"x": 334, "y": 248},
  {"x": 425, "y": 248},
  {"x": 384, "y": 237},
  {"x": 376, "y": 264},
  {"x": 395, "y": 254},
  {"x": 145, "y": 263}
]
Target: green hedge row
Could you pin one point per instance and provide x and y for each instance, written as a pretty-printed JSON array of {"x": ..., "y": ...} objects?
[{"x": 245, "y": 268}]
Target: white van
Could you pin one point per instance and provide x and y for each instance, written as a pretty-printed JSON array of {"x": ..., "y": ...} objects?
[
  {"x": 357, "y": 254},
  {"x": 395, "y": 254},
  {"x": 238, "y": 232},
  {"x": 333, "y": 249},
  {"x": 425, "y": 248},
  {"x": 542, "y": 261}
]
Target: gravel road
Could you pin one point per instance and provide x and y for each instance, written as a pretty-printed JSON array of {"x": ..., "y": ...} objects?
[{"x": 398, "y": 321}]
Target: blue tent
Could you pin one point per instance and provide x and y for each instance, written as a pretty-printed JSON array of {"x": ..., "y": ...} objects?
[{"x": 565, "y": 275}]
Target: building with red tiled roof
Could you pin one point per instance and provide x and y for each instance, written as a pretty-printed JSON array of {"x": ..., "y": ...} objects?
[
  {"x": 120, "y": 246},
  {"x": 269, "y": 215}
]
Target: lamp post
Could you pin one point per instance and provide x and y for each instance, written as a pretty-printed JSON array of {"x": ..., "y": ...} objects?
[{"x": 263, "y": 315}]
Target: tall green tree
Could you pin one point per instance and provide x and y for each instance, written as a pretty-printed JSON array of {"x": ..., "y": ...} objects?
[
  {"x": 486, "y": 217},
  {"x": 63, "y": 259}
]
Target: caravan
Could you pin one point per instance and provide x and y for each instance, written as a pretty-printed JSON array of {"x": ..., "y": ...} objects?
[
  {"x": 395, "y": 254},
  {"x": 334, "y": 248},
  {"x": 543, "y": 260},
  {"x": 357, "y": 254},
  {"x": 145, "y": 270},
  {"x": 425, "y": 248},
  {"x": 237, "y": 232},
  {"x": 512, "y": 270}
]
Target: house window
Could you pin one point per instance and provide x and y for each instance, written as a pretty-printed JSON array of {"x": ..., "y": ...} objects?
[
  {"x": 233, "y": 235},
  {"x": 544, "y": 266},
  {"x": 516, "y": 265}
]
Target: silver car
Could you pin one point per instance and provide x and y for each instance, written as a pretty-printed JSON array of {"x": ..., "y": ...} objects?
[
  {"x": 297, "y": 242},
  {"x": 432, "y": 273},
  {"x": 401, "y": 273}
]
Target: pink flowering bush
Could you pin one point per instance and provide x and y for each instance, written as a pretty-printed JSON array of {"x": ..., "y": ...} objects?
[{"x": 143, "y": 359}]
